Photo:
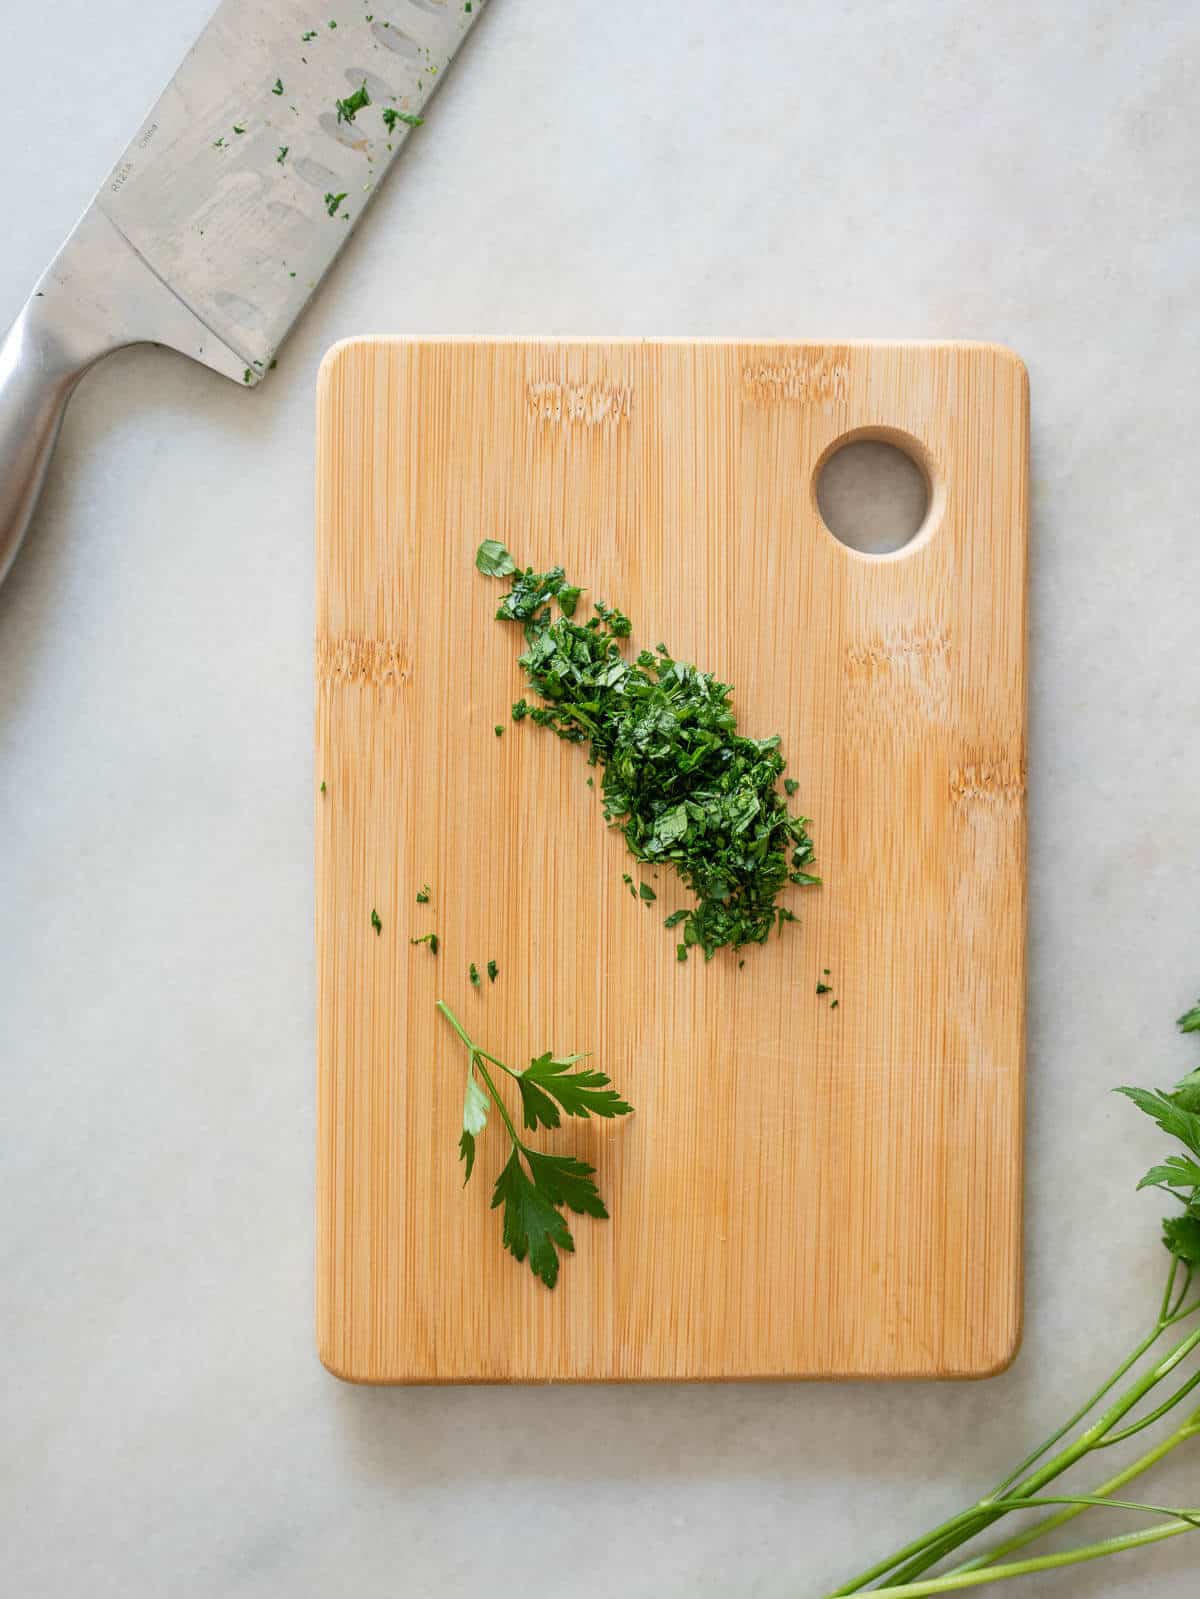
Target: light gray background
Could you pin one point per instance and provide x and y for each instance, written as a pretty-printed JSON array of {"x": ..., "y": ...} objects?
[{"x": 1020, "y": 172}]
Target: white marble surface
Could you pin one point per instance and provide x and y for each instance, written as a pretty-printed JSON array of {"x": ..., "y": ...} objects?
[{"x": 1020, "y": 172}]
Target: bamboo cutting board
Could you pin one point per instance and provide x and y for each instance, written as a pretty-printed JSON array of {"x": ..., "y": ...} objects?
[{"x": 803, "y": 1191}]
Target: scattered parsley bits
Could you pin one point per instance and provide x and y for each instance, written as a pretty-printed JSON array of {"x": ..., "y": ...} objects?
[
  {"x": 423, "y": 896},
  {"x": 239, "y": 127},
  {"x": 473, "y": 974},
  {"x": 535, "y": 1188},
  {"x": 332, "y": 201},
  {"x": 349, "y": 108},
  {"x": 390, "y": 118},
  {"x": 282, "y": 156},
  {"x": 834, "y": 1003},
  {"x": 427, "y": 938},
  {"x": 247, "y": 376},
  {"x": 493, "y": 560},
  {"x": 684, "y": 787},
  {"x": 306, "y": 38},
  {"x": 493, "y": 971},
  {"x": 218, "y": 144},
  {"x": 498, "y": 730},
  {"x": 375, "y": 922},
  {"x": 322, "y": 785},
  {"x": 790, "y": 784},
  {"x": 278, "y": 89},
  {"x": 647, "y": 892},
  {"x": 333, "y": 24},
  {"x": 824, "y": 988},
  {"x": 1189, "y": 1022}
]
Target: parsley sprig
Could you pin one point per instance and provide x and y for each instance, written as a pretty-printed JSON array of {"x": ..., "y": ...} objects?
[
  {"x": 902, "y": 1576},
  {"x": 534, "y": 1187},
  {"x": 685, "y": 787}
]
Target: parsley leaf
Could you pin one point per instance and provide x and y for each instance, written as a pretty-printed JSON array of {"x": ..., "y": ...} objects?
[
  {"x": 646, "y": 892},
  {"x": 473, "y": 974},
  {"x": 1178, "y": 1114},
  {"x": 532, "y": 1225},
  {"x": 493, "y": 971},
  {"x": 278, "y": 89},
  {"x": 476, "y": 1105},
  {"x": 1172, "y": 1118},
  {"x": 423, "y": 894},
  {"x": 1176, "y": 1172},
  {"x": 349, "y": 108},
  {"x": 585, "y": 1093},
  {"x": 375, "y": 922},
  {"x": 567, "y": 1181},
  {"x": 1189, "y": 1022},
  {"x": 332, "y": 201},
  {"x": 1186, "y": 1094},
  {"x": 1181, "y": 1235},
  {"x": 427, "y": 938},
  {"x": 391, "y": 116},
  {"x": 493, "y": 560}
]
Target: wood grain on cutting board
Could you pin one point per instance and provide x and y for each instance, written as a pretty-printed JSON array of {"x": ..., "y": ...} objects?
[{"x": 803, "y": 1191}]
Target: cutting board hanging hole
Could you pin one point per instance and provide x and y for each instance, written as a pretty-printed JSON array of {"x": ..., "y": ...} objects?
[{"x": 873, "y": 493}]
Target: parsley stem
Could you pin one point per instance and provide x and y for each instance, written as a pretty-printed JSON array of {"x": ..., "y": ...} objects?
[
  {"x": 908, "y": 1564},
  {"x": 1063, "y": 1461},
  {"x": 1169, "y": 1291},
  {"x": 478, "y": 1056},
  {"x": 965, "y": 1518},
  {"x": 456, "y": 1024},
  {"x": 500, "y": 1105},
  {"x": 1026, "y": 1568},
  {"x": 1086, "y": 1502},
  {"x": 514, "y": 1075},
  {"x": 1089, "y": 1404},
  {"x": 1048, "y": 1524},
  {"x": 1183, "y": 1292},
  {"x": 1155, "y": 1415}
]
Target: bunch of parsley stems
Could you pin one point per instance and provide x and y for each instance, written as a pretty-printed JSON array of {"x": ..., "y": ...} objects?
[{"x": 1023, "y": 1489}]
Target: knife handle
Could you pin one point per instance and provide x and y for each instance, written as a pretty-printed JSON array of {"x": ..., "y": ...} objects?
[{"x": 42, "y": 358}]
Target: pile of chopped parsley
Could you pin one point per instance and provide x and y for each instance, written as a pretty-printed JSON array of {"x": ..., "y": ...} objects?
[{"x": 686, "y": 789}]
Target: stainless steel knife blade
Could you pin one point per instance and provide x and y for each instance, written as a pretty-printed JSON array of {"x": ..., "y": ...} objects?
[
  {"x": 244, "y": 181},
  {"x": 221, "y": 218}
]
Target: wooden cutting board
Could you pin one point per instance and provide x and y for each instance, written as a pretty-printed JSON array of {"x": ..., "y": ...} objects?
[{"x": 804, "y": 1191}]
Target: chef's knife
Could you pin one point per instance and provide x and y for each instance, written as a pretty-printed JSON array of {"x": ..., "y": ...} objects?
[{"x": 218, "y": 222}]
